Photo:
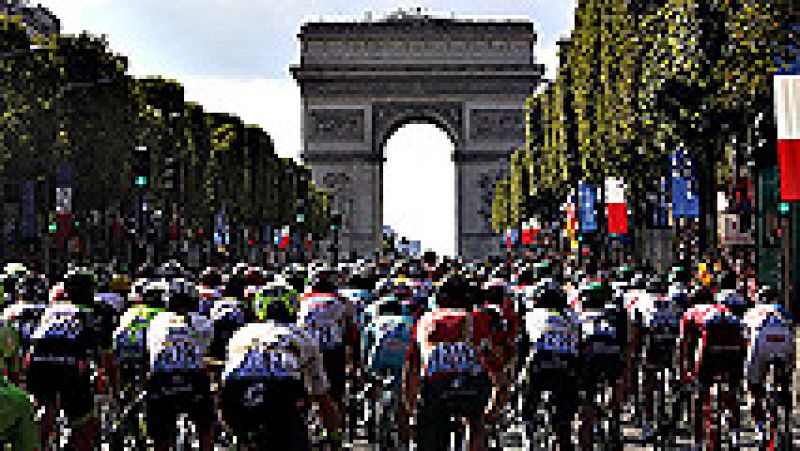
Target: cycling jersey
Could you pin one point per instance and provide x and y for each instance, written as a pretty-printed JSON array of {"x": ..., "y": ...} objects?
[
  {"x": 276, "y": 351},
  {"x": 712, "y": 341},
  {"x": 24, "y": 317},
  {"x": 770, "y": 338},
  {"x": 553, "y": 331},
  {"x": 17, "y": 426},
  {"x": 387, "y": 336},
  {"x": 177, "y": 342},
  {"x": 226, "y": 315},
  {"x": 130, "y": 337},
  {"x": 61, "y": 346},
  {"x": 326, "y": 316},
  {"x": 65, "y": 331},
  {"x": 452, "y": 341},
  {"x": 269, "y": 371}
]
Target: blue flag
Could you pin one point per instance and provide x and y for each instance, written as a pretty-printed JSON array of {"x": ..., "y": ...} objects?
[
  {"x": 685, "y": 203},
  {"x": 587, "y": 217},
  {"x": 27, "y": 191}
]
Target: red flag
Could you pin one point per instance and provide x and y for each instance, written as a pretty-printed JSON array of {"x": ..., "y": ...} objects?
[
  {"x": 787, "y": 112},
  {"x": 617, "y": 209},
  {"x": 789, "y": 163}
]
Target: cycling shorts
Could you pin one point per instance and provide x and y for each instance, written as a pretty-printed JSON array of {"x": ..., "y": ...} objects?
[
  {"x": 266, "y": 412},
  {"x": 46, "y": 380},
  {"x": 335, "y": 363},
  {"x": 446, "y": 399},
  {"x": 172, "y": 393},
  {"x": 556, "y": 373}
]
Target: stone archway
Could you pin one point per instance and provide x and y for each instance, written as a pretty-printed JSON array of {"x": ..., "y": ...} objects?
[{"x": 362, "y": 81}]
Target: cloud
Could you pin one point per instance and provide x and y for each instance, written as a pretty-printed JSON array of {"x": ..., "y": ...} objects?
[
  {"x": 273, "y": 104},
  {"x": 250, "y": 38}
]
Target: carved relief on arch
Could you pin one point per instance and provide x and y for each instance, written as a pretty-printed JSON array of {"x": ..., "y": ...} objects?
[
  {"x": 387, "y": 118},
  {"x": 490, "y": 124},
  {"x": 339, "y": 184},
  {"x": 342, "y": 125}
]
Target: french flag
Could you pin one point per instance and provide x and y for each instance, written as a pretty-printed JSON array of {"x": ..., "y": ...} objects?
[
  {"x": 787, "y": 112},
  {"x": 530, "y": 229},
  {"x": 615, "y": 205},
  {"x": 284, "y": 242}
]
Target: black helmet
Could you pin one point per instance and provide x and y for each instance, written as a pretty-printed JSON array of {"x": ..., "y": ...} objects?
[
  {"x": 551, "y": 296},
  {"x": 80, "y": 285},
  {"x": 325, "y": 281}
]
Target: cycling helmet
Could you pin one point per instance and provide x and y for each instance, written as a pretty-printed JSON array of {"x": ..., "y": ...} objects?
[
  {"x": 324, "y": 281},
  {"x": 551, "y": 296},
  {"x": 280, "y": 310},
  {"x": 120, "y": 283},
  {"x": 211, "y": 277},
  {"x": 182, "y": 296},
  {"x": 274, "y": 292},
  {"x": 454, "y": 293},
  {"x": 170, "y": 269},
  {"x": 155, "y": 293},
  {"x": 80, "y": 285}
]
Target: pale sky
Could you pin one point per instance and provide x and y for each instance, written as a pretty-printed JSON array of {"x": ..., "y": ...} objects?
[{"x": 234, "y": 55}]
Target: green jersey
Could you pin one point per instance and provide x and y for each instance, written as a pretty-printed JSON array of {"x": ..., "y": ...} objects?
[{"x": 17, "y": 427}]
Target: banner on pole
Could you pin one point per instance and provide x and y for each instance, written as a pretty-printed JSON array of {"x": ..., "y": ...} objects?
[
  {"x": 787, "y": 112},
  {"x": 685, "y": 203},
  {"x": 616, "y": 207},
  {"x": 587, "y": 217},
  {"x": 27, "y": 191}
]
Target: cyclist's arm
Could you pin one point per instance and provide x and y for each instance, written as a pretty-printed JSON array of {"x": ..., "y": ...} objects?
[
  {"x": 411, "y": 377},
  {"x": 329, "y": 412}
]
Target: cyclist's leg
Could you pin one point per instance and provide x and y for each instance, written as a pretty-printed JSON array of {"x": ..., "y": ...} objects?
[
  {"x": 78, "y": 402},
  {"x": 434, "y": 424},
  {"x": 202, "y": 409},
  {"x": 566, "y": 401},
  {"x": 161, "y": 411}
]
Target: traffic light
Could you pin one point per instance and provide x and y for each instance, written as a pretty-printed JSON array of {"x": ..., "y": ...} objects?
[
  {"x": 336, "y": 222},
  {"x": 141, "y": 166},
  {"x": 170, "y": 173},
  {"x": 783, "y": 208}
]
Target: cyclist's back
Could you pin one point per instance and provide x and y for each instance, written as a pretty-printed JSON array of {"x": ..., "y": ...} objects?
[
  {"x": 451, "y": 364},
  {"x": 63, "y": 347},
  {"x": 271, "y": 369},
  {"x": 178, "y": 381}
]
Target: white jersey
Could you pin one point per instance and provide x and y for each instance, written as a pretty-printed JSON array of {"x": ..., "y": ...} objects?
[
  {"x": 326, "y": 316},
  {"x": 24, "y": 317},
  {"x": 272, "y": 350},
  {"x": 553, "y": 331},
  {"x": 178, "y": 342},
  {"x": 770, "y": 336}
]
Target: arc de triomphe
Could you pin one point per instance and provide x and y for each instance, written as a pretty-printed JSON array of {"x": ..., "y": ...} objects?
[{"x": 362, "y": 81}]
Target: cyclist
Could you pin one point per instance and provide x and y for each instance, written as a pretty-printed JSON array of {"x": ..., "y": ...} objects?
[
  {"x": 771, "y": 340},
  {"x": 452, "y": 369},
  {"x": 603, "y": 324},
  {"x": 331, "y": 319},
  {"x": 178, "y": 381},
  {"x": 130, "y": 337},
  {"x": 554, "y": 334},
  {"x": 17, "y": 425},
  {"x": 385, "y": 341},
  {"x": 272, "y": 368},
  {"x": 654, "y": 322},
  {"x": 64, "y": 347},
  {"x": 712, "y": 349}
]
